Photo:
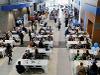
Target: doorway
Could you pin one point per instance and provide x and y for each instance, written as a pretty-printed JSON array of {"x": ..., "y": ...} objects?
[{"x": 90, "y": 28}]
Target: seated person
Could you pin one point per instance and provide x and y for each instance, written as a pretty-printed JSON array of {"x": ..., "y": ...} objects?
[
  {"x": 80, "y": 45},
  {"x": 41, "y": 45},
  {"x": 47, "y": 47},
  {"x": 33, "y": 44},
  {"x": 93, "y": 70},
  {"x": 15, "y": 39},
  {"x": 37, "y": 54},
  {"x": 45, "y": 24},
  {"x": 24, "y": 29},
  {"x": 81, "y": 38},
  {"x": 80, "y": 69},
  {"x": 27, "y": 55},
  {"x": 50, "y": 38},
  {"x": 88, "y": 45},
  {"x": 97, "y": 57},
  {"x": 20, "y": 68},
  {"x": 86, "y": 55},
  {"x": 99, "y": 71},
  {"x": 44, "y": 31},
  {"x": 2, "y": 45},
  {"x": 71, "y": 38},
  {"x": 77, "y": 55}
]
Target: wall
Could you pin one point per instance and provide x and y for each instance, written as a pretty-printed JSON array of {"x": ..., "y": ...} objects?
[
  {"x": 6, "y": 21},
  {"x": 3, "y": 1},
  {"x": 3, "y": 21},
  {"x": 11, "y": 21},
  {"x": 91, "y": 9}
]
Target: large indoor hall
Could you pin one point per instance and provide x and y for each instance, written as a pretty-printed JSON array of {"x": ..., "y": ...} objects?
[{"x": 49, "y": 37}]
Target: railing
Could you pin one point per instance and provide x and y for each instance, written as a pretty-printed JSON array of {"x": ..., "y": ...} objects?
[{"x": 15, "y": 1}]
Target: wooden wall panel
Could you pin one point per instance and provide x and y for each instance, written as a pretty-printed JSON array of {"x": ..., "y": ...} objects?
[
  {"x": 91, "y": 17},
  {"x": 97, "y": 19},
  {"x": 96, "y": 36}
]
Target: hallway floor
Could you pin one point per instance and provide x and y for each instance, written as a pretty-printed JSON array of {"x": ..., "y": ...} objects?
[{"x": 59, "y": 63}]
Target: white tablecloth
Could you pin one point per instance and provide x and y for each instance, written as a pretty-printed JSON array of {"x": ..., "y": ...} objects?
[
  {"x": 11, "y": 42},
  {"x": 81, "y": 51},
  {"x": 35, "y": 63},
  {"x": 42, "y": 50},
  {"x": 2, "y": 50},
  {"x": 75, "y": 42}
]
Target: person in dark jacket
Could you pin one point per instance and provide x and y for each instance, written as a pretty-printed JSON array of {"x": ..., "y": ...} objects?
[
  {"x": 93, "y": 69},
  {"x": 7, "y": 36},
  {"x": 30, "y": 36},
  {"x": 66, "y": 22},
  {"x": 59, "y": 25},
  {"x": 66, "y": 32},
  {"x": 20, "y": 68},
  {"x": 21, "y": 35},
  {"x": 27, "y": 55},
  {"x": 24, "y": 29},
  {"x": 41, "y": 45},
  {"x": 9, "y": 52}
]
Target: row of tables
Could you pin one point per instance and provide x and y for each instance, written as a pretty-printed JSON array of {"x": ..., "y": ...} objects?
[
  {"x": 38, "y": 63},
  {"x": 11, "y": 41},
  {"x": 73, "y": 51}
]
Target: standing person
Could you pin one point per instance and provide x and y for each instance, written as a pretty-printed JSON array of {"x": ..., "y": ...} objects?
[
  {"x": 9, "y": 52},
  {"x": 41, "y": 45},
  {"x": 66, "y": 32},
  {"x": 81, "y": 69},
  {"x": 24, "y": 29},
  {"x": 66, "y": 22},
  {"x": 7, "y": 36},
  {"x": 55, "y": 18},
  {"x": 59, "y": 25},
  {"x": 30, "y": 36},
  {"x": 21, "y": 35},
  {"x": 35, "y": 25}
]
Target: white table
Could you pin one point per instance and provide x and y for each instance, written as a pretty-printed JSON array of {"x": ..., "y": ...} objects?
[
  {"x": 50, "y": 43},
  {"x": 47, "y": 35},
  {"x": 42, "y": 24},
  {"x": 14, "y": 32},
  {"x": 72, "y": 31},
  {"x": 74, "y": 35},
  {"x": 2, "y": 51},
  {"x": 16, "y": 36},
  {"x": 11, "y": 42},
  {"x": 42, "y": 50},
  {"x": 35, "y": 63},
  {"x": 69, "y": 43},
  {"x": 75, "y": 42},
  {"x": 39, "y": 36},
  {"x": 81, "y": 51},
  {"x": 86, "y": 63}
]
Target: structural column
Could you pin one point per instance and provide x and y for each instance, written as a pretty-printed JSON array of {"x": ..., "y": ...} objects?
[{"x": 6, "y": 21}]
